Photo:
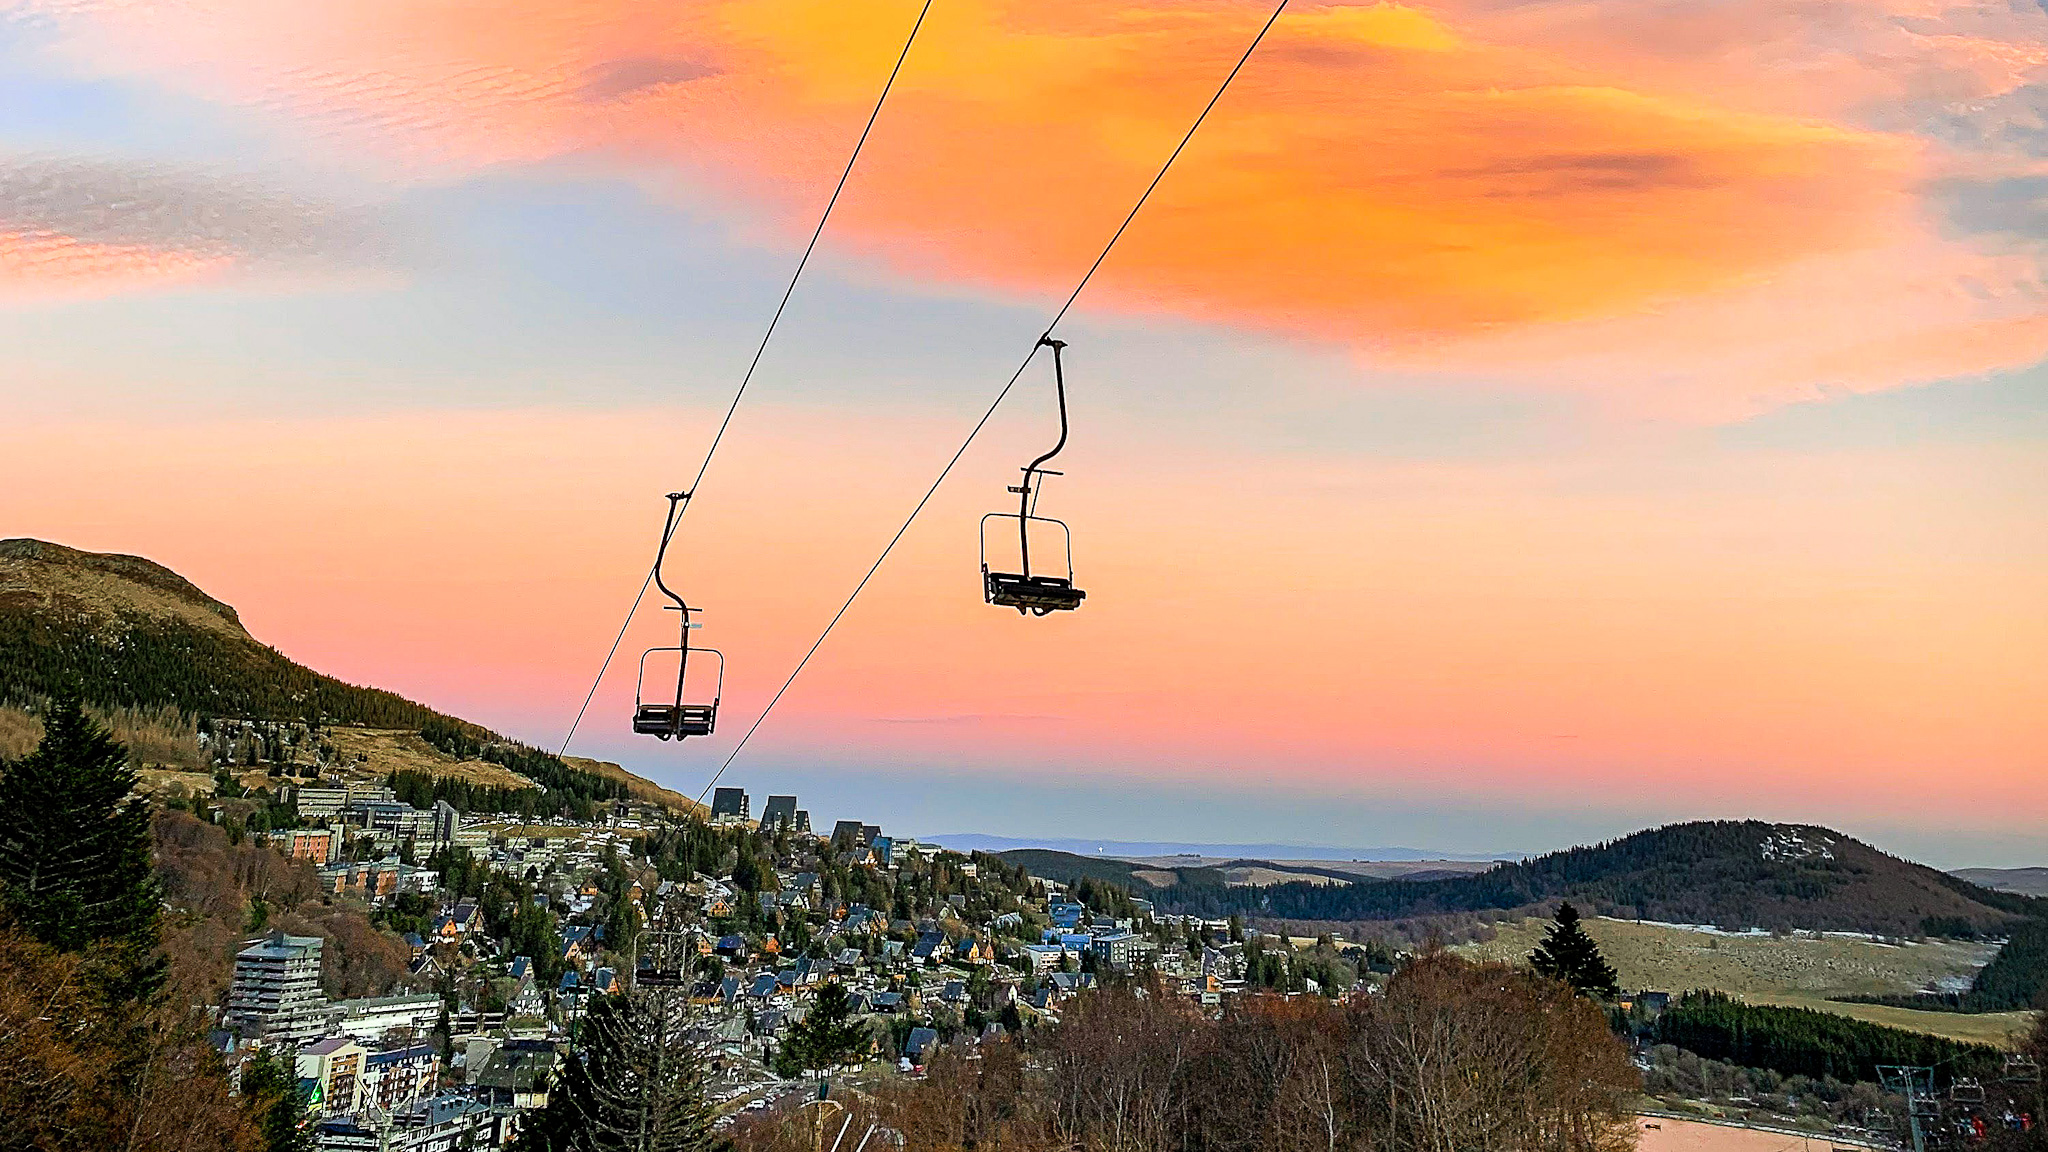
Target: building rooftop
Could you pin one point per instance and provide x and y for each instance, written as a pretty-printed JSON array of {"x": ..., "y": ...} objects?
[{"x": 279, "y": 946}]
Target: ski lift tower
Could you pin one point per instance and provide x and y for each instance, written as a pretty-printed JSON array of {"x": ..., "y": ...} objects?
[{"x": 1916, "y": 1084}]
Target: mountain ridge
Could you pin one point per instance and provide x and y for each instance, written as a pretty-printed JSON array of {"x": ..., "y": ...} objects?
[
  {"x": 124, "y": 631},
  {"x": 1141, "y": 849},
  {"x": 32, "y": 570}
]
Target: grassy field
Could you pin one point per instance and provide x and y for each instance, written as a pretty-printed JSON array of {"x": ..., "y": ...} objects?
[
  {"x": 1798, "y": 972},
  {"x": 375, "y": 753},
  {"x": 641, "y": 788},
  {"x": 1995, "y": 1028}
]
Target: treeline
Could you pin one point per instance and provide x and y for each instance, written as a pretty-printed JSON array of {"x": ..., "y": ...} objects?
[
  {"x": 1806, "y": 1042},
  {"x": 466, "y": 741},
  {"x": 562, "y": 791},
  {"x": 1711, "y": 872},
  {"x": 161, "y": 663},
  {"x": 1454, "y": 1055},
  {"x": 1758, "y": 1094},
  {"x": 421, "y": 789},
  {"x": 2016, "y": 979}
]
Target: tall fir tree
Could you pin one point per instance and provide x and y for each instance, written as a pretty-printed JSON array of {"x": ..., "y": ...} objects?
[
  {"x": 1568, "y": 954},
  {"x": 74, "y": 852},
  {"x": 827, "y": 1035},
  {"x": 275, "y": 1100},
  {"x": 633, "y": 1083}
]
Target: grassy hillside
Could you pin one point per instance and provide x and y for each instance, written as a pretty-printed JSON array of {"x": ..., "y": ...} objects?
[
  {"x": 131, "y": 637},
  {"x": 641, "y": 788},
  {"x": 1799, "y": 971}
]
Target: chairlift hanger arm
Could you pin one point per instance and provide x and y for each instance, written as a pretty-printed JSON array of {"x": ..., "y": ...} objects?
[
  {"x": 1059, "y": 380},
  {"x": 668, "y": 533},
  {"x": 1027, "y": 498},
  {"x": 676, "y": 501}
]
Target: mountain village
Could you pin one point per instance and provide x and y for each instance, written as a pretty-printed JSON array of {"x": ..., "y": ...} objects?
[{"x": 934, "y": 947}]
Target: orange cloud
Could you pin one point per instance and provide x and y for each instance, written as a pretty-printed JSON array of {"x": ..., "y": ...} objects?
[
  {"x": 42, "y": 264},
  {"x": 1424, "y": 183}
]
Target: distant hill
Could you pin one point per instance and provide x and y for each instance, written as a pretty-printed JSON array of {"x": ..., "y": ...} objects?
[
  {"x": 1143, "y": 849},
  {"x": 128, "y": 633},
  {"x": 1737, "y": 874},
  {"x": 1069, "y": 868},
  {"x": 2025, "y": 881},
  {"x": 1143, "y": 874}
]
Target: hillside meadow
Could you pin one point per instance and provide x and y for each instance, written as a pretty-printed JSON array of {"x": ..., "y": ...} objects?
[{"x": 1798, "y": 971}]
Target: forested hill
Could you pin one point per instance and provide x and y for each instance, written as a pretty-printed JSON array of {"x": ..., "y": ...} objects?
[
  {"x": 1736, "y": 874},
  {"x": 125, "y": 632}
]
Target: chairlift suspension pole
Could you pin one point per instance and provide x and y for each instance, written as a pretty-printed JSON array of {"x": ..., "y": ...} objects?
[
  {"x": 682, "y": 606},
  {"x": 1024, "y": 501}
]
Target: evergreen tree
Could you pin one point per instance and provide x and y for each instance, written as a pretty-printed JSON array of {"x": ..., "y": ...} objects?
[
  {"x": 827, "y": 1035},
  {"x": 1569, "y": 955},
  {"x": 74, "y": 851},
  {"x": 273, "y": 1098},
  {"x": 634, "y": 1084}
]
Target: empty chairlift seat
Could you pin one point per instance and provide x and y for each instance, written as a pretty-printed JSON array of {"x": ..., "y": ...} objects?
[
  {"x": 675, "y": 720},
  {"x": 1026, "y": 591},
  {"x": 1041, "y": 594},
  {"x": 679, "y": 716}
]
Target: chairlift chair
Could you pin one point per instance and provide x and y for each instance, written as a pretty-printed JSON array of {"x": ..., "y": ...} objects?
[
  {"x": 2022, "y": 1070},
  {"x": 1039, "y": 594},
  {"x": 1966, "y": 1090},
  {"x": 676, "y": 718},
  {"x": 659, "y": 978}
]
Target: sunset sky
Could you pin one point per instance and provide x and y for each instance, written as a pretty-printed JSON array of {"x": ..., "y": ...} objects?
[{"x": 1512, "y": 422}]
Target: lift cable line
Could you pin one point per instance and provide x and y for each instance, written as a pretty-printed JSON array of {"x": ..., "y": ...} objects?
[
  {"x": 1045, "y": 339},
  {"x": 678, "y": 507}
]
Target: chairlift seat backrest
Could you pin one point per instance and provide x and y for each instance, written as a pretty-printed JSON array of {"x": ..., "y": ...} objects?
[{"x": 669, "y": 720}]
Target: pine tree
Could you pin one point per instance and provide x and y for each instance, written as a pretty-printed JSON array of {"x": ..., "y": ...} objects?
[
  {"x": 827, "y": 1035},
  {"x": 272, "y": 1096},
  {"x": 1569, "y": 955},
  {"x": 633, "y": 1084},
  {"x": 74, "y": 851}
]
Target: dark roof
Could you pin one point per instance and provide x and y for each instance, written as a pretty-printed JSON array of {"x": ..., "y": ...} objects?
[
  {"x": 399, "y": 1055},
  {"x": 517, "y": 1067}
]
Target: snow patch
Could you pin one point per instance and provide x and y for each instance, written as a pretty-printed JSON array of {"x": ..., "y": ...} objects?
[{"x": 1786, "y": 843}]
